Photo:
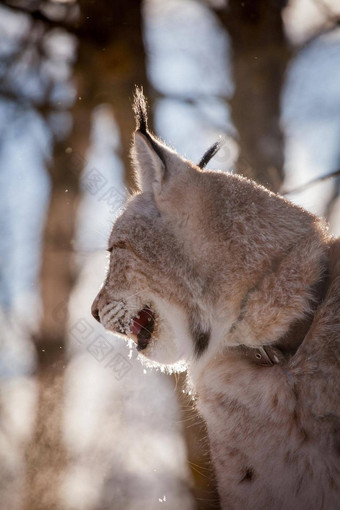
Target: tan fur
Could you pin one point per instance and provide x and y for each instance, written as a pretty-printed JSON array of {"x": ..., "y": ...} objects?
[
  {"x": 275, "y": 433},
  {"x": 217, "y": 256}
]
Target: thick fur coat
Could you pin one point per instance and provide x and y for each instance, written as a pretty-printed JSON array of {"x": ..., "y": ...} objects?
[{"x": 209, "y": 268}]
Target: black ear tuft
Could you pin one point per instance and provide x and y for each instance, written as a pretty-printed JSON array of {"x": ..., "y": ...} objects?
[
  {"x": 210, "y": 153},
  {"x": 141, "y": 115},
  {"x": 140, "y": 111}
]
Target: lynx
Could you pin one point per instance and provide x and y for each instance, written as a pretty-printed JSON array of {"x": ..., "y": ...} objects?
[{"x": 213, "y": 270}]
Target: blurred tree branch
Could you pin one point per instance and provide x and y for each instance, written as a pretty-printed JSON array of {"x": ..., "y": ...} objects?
[
  {"x": 303, "y": 187},
  {"x": 37, "y": 15}
]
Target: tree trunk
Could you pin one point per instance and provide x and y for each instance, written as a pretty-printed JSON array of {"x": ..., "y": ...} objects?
[
  {"x": 109, "y": 63},
  {"x": 260, "y": 57}
]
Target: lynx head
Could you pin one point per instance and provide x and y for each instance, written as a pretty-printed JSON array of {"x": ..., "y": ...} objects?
[{"x": 189, "y": 248}]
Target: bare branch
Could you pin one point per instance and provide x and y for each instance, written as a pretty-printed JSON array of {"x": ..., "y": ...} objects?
[
  {"x": 305, "y": 186},
  {"x": 38, "y": 16}
]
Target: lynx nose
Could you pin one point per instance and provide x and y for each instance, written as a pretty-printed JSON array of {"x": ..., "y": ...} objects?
[
  {"x": 95, "y": 310},
  {"x": 95, "y": 313}
]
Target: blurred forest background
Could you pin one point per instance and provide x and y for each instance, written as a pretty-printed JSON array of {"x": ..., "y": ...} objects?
[{"x": 83, "y": 425}]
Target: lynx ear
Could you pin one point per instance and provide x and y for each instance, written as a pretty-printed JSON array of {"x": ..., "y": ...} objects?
[
  {"x": 152, "y": 159},
  {"x": 148, "y": 162}
]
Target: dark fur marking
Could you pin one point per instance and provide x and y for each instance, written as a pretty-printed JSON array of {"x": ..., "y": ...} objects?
[
  {"x": 288, "y": 457},
  {"x": 233, "y": 452},
  {"x": 249, "y": 475},
  {"x": 337, "y": 439},
  {"x": 298, "y": 485},
  {"x": 201, "y": 339},
  {"x": 209, "y": 154},
  {"x": 304, "y": 435},
  {"x": 200, "y": 332},
  {"x": 332, "y": 482}
]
